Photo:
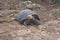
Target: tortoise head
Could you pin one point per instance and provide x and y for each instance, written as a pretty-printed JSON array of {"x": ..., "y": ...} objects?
[{"x": 30, "y": 17}]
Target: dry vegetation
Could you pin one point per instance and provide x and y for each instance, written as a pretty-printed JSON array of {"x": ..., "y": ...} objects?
[{"x": 12, "y": 30}]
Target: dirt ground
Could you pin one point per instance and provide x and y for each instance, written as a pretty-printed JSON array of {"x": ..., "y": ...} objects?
[{"x": 12, "y": 30}]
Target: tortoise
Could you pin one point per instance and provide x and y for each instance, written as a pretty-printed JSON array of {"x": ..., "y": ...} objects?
[{"x": 27, "y": 17}]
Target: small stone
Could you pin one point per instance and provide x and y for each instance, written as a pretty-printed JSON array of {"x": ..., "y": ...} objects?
[
  {"x": 2, "y": 31},
  {"x": 20, "y": 38},
  {"x": 57, "y": 33},
  {"x": 58, "y": 39},
  {"x": 1, "y": 15},
  {"x": 12, "y": 34},
  {"x": 23, "y": 32}
]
